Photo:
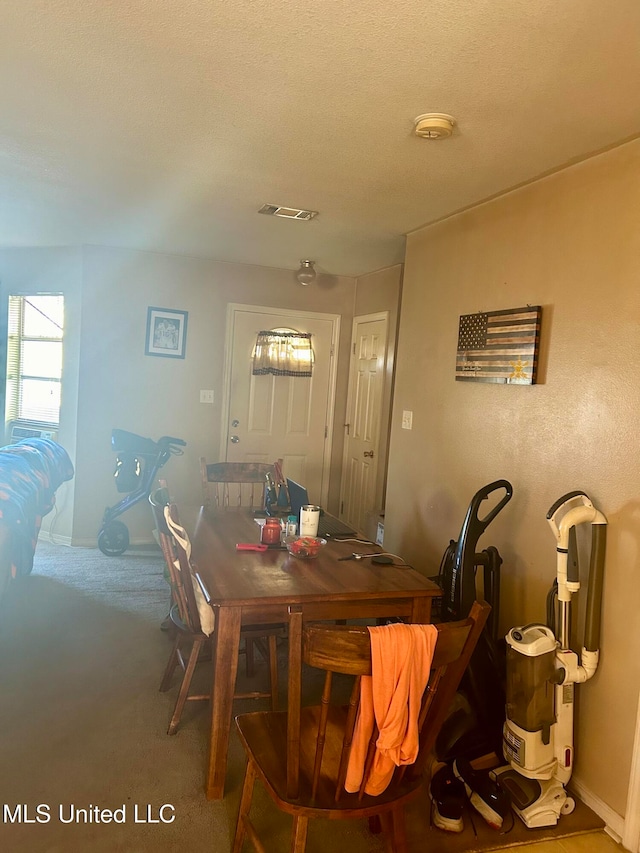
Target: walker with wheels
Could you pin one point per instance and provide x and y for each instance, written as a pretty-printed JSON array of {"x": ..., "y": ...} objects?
[{"x": 137, "y": 463}]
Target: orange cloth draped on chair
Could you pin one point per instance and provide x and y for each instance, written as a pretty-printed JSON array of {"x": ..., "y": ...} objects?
[{"x": 401, "y": 658}]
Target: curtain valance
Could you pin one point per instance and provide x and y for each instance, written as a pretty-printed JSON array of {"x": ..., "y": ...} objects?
[{"x": 282, "y": 354}]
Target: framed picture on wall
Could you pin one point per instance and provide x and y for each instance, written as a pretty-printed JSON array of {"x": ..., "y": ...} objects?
[
  {"x": 166, "y": 332},
  {"x": 499, "y": 346}
]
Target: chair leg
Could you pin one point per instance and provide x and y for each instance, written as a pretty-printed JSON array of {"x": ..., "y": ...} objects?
[
  {"x": 171, "y": 665},
  {"x": 186, "y": 683},
  {"x": 249, "y": 665},
  {"x": 375, "y": 825},
  {"x": 399, "y": 830},
  {"x": 394, "y": 830},
  {"x": 273, "y": 666},
  {"x": 386, "y": 827},
  {"x": 245, "y": 805},
  {"x": 299, "y": 834}
]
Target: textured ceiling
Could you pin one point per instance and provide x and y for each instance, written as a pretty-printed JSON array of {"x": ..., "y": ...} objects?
[{"x": 166, "y": 124}]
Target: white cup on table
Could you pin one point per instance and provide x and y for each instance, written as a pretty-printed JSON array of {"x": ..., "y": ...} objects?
[{"x": 309, "y": 519}]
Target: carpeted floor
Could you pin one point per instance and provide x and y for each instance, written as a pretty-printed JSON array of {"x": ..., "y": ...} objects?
[{"x": 82, "y": 725}]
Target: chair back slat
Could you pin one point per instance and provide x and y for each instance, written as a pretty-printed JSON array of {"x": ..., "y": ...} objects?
[
  {"x": 322, "y": 731},
  {"x": 427, "y": 700},
  {"x": 235, "y": 483},
  {"x": 349, "y": 728},
  {"x": 177, "y": 562},
  {"x": 186, "y": 576},
  {"x": 347, "y": 650},
  {"x": 368, "y": 762},
  {"x": 339, "y": 648},
  {"x": 158, "y": 500}
]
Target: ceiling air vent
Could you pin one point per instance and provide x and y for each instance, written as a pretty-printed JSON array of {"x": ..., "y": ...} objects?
[{"x": 287, "y": 212}]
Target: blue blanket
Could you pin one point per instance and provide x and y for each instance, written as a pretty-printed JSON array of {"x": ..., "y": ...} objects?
[{"x": 30, "y": 473}]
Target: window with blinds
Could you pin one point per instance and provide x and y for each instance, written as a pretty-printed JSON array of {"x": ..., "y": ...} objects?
[{"x": 34, "y": 358}]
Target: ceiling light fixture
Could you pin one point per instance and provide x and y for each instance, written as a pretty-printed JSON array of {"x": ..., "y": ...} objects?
[
  {"x": 434, "y": 126},
  {"x": 306, "y": 274}
]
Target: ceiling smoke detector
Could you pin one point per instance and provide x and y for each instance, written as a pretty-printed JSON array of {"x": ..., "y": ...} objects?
[{"x": 434, "y": 125}]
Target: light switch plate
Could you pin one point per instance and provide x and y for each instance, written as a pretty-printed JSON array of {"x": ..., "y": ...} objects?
[
  {"x": 206, "y": 396},
  {"x": 407, "y": 420}
]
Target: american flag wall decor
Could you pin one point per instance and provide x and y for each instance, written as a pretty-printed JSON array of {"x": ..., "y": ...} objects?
[{"x": 499, "y": 346}]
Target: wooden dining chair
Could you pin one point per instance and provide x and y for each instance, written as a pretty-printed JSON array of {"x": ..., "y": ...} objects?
[
  {"x": 301, "y": 756},
  {"x": 190, "y": 603},
  {"x": 235, "y": 483}
]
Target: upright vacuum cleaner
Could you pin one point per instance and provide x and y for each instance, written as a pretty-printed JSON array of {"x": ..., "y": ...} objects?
[
  {"x": 542, "y": 672},
  {"x": 475, "y": 727}
]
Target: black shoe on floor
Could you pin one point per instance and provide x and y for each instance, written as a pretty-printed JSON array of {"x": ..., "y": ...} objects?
[{"x": 448, "y": 796}]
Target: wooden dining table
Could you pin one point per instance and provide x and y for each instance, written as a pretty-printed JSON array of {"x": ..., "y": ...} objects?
[{"x": 248, "y": 587}]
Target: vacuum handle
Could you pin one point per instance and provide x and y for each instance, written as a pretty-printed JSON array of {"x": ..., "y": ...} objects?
[
  {"x": 556, "y": 506},
  {"x": 484, "y": 493},
  {"x": 463, "y": 568}
]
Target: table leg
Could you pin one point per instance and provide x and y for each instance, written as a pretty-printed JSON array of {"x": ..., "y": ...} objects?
[
  {"x": 227, "y": 646},
  {"x": 421, "y": 610}
]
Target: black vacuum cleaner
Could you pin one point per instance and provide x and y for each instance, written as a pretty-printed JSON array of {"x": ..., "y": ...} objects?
[
  {"x": 473, "y": 729},
  {"x": 475, "y": 726}
]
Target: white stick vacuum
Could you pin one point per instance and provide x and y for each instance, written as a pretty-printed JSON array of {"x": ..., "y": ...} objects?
[{"x": 542, "y": 671}]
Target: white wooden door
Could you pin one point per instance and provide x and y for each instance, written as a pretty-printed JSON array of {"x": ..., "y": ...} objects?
[
  {"x": 364, "y": 410},
  {"x": 281, "y": 417}
]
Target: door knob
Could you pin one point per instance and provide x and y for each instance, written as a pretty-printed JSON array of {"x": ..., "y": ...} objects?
[
  {"x": 234, "y": 439},
  {"x": 368, "y": 453}
]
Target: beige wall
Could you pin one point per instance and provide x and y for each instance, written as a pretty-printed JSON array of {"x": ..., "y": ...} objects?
[
  {"x": 571, "y": 243},
  {"x": 110, "y": 382},
  {"x": 119, "y": 386}
]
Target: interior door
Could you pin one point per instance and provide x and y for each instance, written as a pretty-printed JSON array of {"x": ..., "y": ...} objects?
[
  {"x": 281, "y": 417},
  {"x": 364, "y": 411}
]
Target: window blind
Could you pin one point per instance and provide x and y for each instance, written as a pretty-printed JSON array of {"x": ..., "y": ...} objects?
[{"x": 34, "y": 358}]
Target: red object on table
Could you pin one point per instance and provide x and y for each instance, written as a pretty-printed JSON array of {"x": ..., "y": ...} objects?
[{"x": 270, "y": 534}]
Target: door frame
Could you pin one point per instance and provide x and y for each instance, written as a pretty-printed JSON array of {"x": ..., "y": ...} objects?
[
  {"x": 236, "y": 307},
  {"x": 380, "y": 472}
]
